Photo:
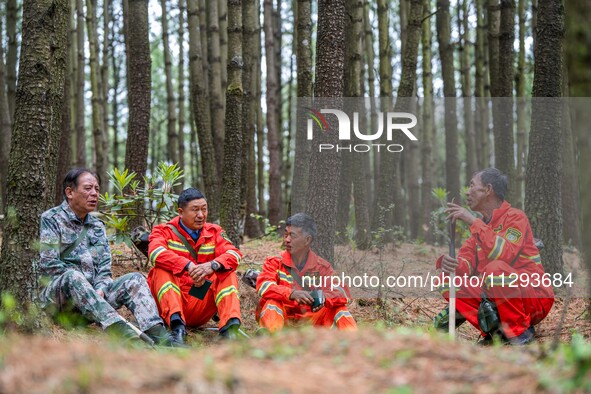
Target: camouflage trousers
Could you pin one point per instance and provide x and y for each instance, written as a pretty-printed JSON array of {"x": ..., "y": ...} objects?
[{"x": 131, "y": 290}]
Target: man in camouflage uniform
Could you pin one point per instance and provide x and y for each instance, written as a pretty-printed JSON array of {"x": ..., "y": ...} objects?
[{"x": 75, "y": 265}]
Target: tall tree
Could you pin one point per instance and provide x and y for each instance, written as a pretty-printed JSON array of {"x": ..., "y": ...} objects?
[
  {"x": 387, "y": 192},
  {"x": 452, "y": 163},
  {"x": 250, "y": 13},
  {"x": 480, "y": 89},
  {"x": 464, "y": 49},
  {"x": 330, "y": 68},
  {"x": 201, "y": 114},
  {"x": 521, "y": 112},
  {"x": 173, "y": 144},
  {"x": 98, "y": 128},
  {"x": 5, "y": 126},
  {"x": 273, "y": 134},
  {"x": 223, "y": 23},
  {"x": 11, "y": 53},
  {"x": 260, "y": 136},
  {"x": 404, "y": 103},
  {"x": 181, "y": 85},
  {"x": 80, "y": 83},
  {"x": 139, "y": 82},
  {"x": 542, "y": 182},
  {"x": 503, "y": 87},
  {"x": 37, "y": 121},
  {"x": 230, "y": 206},
  {"x": 428, "y": 140},
  {"x": 301, "y": 170},
  {"x": 215, "y": 81}
]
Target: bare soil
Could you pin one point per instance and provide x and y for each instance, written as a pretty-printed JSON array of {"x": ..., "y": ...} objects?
[{"x": 395, "y": 350}]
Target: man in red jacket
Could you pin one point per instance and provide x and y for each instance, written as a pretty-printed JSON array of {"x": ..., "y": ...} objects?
[
  {"x": 176, "y": 270},
  {"x": 285, "y": 284},
  {"x": 502, "y": 255}
]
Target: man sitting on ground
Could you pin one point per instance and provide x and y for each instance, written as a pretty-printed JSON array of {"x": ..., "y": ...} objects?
[
  {"x": 501, "y": 248},
  {"x": 76, "y": 265},
  {"x": 284, "y": 284},
  {"x": 186, "y": 252}
]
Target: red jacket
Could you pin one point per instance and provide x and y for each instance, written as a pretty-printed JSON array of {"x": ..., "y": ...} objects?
[
  {"x": 276, "y": 280},
  {"x": 168, "y": 252},
  {"x": 507, "y": 237}
]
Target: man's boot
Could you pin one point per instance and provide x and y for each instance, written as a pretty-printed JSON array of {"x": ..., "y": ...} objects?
[
  {"x": 231, "y": 330},
  {"x": 161, "y": 337},
  {"x": 122, "y": 330},
  {"x": 441, "y": 321}
]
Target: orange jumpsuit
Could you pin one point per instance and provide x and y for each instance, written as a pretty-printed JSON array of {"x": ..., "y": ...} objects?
[
  {"x": 497, "y": 253},
  {"x": 170, "y": 282},
  {"x": 275, "y": 284}
]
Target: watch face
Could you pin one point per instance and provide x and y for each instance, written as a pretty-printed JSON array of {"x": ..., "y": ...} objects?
[{"x": 215, "y": 266}]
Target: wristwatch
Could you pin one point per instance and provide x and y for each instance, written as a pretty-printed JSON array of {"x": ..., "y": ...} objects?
[{"x": 215, "y": 266}]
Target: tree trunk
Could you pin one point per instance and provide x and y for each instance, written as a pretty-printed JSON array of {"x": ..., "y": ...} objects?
[
  {"x": 11, "y": 54},
  {"x": 542, "y": 184},
  {"x": 503, "y": 108},
  {"x": 404, "y": 103},
  {"x": 80, "y": 81},
  {"x": 372, "y": 162},
  {"x": 353, "y": 56},
  {"x": 330, "y": 67},
  {"x": 181, "y": 87},
  {"x": 116, "y": 67},
  {"x": 301, "y": 170},
  {"x": 260, "y": 123},
  {"x": 37, "y": 121},
  {"x": 521, "y": 113},
  {"x": 388, "y": 182},
  {"x": 172, "y": 143},
  {"x": 216, "y": 101},
  {"x": 452, "y": 163},
  {"x": 139, "y": 88},
  {"x": 98, "y": 128},
  {"x": 480, "y": 116},
  {"x": 104, "y": 69},
  {"x": 223, "y": 23},
  {"x": 428, "y": 139},
  {"x": 5, "y": 127},
  {"x": 250, "y": 13},
  {"x": 200, "y": 110},
  {"x": 464, "y": 49},
  {"x": 273, "y": 134},
  {"x": 64, "y": 154},
  {"x": 230, "y": 215}
]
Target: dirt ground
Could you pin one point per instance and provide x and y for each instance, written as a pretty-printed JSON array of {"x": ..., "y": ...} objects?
[{"x": 395, "y": 350}]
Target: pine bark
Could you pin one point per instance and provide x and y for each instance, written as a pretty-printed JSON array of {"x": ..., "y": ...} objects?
[
  {"x": 542, "y": 183},
  {"x": 428, "y": 140},
  {"x": 301, "y": 171},
  {"x": 80, "y": 86},
  {"x": 37, "y": 122},
  {"x": 215, "y": 80},
  {"x": 330, "y": 67},
  {"x": 250, "y": 13},
  {"x": 98, "y": 128},
  {"x": 452, "y": 163},
  {"x": 521, "y": 134},
  {"x": 273, "y": 135},
  {"x": 230, "y": 206},
  {"x": 139, "y": 87},
  {"x": 11, "y": 54},
  {"x": 181, "y": 87},
  {"x": 201, "y": 114},
  {"x": 171, "y": 120},
  {"x": 5, "y": 126}
]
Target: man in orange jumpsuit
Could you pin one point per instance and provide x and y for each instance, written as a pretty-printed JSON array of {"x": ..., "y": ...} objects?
[
  {"x": 176, "y": 271},
  {"x": 500, "y": 249},
  {"x": 288, "y": 284}
]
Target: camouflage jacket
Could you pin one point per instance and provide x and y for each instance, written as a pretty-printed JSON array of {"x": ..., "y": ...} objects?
[{"x": 60, "y": 228}]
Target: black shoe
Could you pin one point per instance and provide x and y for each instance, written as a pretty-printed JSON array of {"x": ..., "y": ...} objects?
[
  {"x": 122, "y": 330},
  {"x": 179, "y": 334},
  {"x": 231, "y": 330},
  {"x": 161, "y": 337},
  {"x": 441, "y": 321},
  {"x": 525, "y": 338}
]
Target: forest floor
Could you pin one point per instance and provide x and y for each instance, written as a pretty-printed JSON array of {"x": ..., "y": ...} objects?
[{"x": 395, "y": 350}]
